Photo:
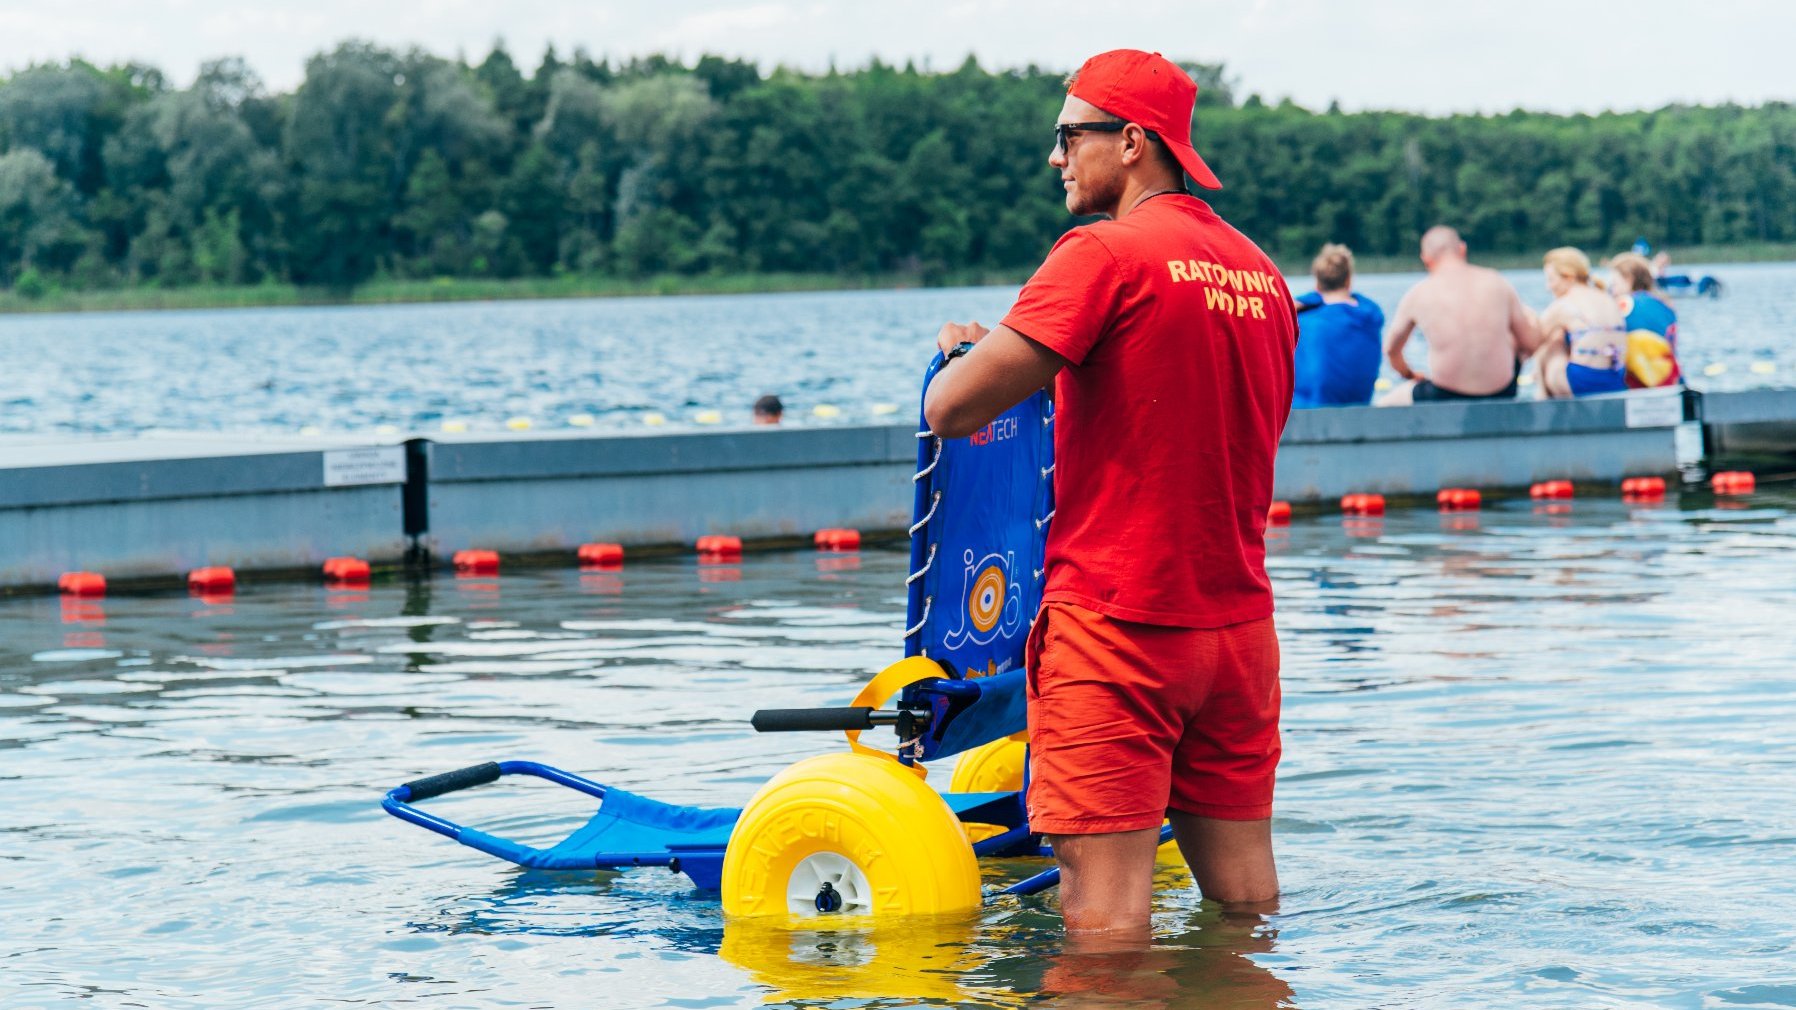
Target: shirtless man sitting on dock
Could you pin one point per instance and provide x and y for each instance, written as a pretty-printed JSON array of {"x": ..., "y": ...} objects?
[{"x": 1477, "y": 329}]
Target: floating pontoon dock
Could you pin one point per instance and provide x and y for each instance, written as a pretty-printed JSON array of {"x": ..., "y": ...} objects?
[{"x": 156, "y": 507}]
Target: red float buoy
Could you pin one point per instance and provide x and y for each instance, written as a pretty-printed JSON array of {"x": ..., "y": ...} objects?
[
  {"x": 347, "y": 571},
  {"x": 719, "y": 546},
  {"x": 602, "y": 555},
  {"x": 1552, "y": 489},
  {"x": 82, "y": 584},
  {"x": 1643, "y": 488},
  {"x": 212, "y": 579},
  {"x": 1279, "y": 513},
  {"x": 476, "y": 562},
  {"x": 1734, "y": 482},
  {"x": 837, "y": 540},
  {"x": 1363, "y": 505},
  {"x": 1459, "y": 499}
]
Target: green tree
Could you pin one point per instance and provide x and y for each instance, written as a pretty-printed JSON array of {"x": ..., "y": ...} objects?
[
  {"x": 38, "y": 229},
  {"x": 342, "y": 152},
  {"x": 218, "y": 251}
]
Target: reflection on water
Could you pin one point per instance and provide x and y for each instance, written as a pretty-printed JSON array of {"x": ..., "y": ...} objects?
[{"x": 1535, "y": 756}]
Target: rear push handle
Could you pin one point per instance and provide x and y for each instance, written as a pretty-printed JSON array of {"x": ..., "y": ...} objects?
[
  {"x": 448, "y": 782},
  {"x": 797, "y": 720}
]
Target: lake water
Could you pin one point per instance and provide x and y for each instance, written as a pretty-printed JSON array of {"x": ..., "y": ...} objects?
[
  {"x": 413, "y": 368},
  {"x": 1538, "y": 757}
]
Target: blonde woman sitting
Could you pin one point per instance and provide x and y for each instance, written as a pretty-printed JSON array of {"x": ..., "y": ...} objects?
[{"x": 1586, "y": 342}]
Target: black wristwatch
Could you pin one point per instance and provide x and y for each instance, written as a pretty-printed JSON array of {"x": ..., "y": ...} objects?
[{"x": 958, "y": 350}]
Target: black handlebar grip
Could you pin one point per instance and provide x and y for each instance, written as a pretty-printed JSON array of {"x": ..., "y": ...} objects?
[
  {"x": 448, "y": 782},
  {"x": 788, "y": 720}
]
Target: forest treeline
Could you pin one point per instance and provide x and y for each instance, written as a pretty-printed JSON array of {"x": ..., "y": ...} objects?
[{"x": 407, "y": 165}]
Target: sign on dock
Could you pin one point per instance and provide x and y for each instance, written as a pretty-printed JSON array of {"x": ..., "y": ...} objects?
[{"x": 380, "y": 465}]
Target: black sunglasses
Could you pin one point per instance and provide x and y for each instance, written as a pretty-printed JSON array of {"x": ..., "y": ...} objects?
[{"x": 1063, "y": 132}]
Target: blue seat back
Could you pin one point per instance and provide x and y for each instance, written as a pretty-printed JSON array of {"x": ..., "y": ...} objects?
[{"x": 980, "y": 517}]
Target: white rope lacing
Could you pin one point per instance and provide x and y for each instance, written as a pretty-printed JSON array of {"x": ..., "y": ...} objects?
[
  {"x": 928, "y": 563},
  {"x": 913, "y": 629},
  {"x": 926, "y": 471},
  {"x": 934, "y": 503}
]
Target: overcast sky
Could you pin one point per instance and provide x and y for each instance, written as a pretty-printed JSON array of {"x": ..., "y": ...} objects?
[{"x": 1427, "y": 55}]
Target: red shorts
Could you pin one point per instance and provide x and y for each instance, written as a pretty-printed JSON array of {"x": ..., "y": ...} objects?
[{"x": 1129, "y": 720}]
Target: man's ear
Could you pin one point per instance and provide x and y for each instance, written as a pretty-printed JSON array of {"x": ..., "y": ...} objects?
[{"x": 1135, "y": 144}]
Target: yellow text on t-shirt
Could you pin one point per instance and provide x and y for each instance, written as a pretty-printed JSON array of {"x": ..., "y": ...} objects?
[{"x": 1244, "y": 288}]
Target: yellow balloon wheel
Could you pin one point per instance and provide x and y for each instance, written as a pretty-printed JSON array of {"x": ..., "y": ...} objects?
[
  {"x": 993, "y": 767},
  {"x": 848, "y": 834},
  {"x": 998, "y": 767}
]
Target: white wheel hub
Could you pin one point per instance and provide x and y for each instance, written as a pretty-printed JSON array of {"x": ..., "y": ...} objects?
[{"x": 822, "y": 870}]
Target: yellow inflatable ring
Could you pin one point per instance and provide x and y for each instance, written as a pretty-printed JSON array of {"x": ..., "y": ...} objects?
[{"x": 848, "y": 834}]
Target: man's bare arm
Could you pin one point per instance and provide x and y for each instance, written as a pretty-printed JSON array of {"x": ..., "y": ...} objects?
[
  {"x": 1524, "y": 326},
  {"x": 1002, "y": 370},
  {"x": 1403, "y": 323}
]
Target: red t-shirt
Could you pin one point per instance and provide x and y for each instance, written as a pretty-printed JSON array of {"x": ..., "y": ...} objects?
[{"x": 1180, "y": 335}]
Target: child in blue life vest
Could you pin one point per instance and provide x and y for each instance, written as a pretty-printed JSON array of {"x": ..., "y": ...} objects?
[{"x": 1339, "y": 342}]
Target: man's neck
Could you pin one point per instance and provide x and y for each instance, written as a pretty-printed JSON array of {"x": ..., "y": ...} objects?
[
  {"x": 1137, "y": 190},
  {"x": 1336, "y": 297}
]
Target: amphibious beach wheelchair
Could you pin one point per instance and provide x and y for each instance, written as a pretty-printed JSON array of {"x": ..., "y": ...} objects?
[{"x": 857, "y": 831}]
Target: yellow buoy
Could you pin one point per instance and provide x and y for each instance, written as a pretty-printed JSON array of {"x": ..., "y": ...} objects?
[
  {"x": 1764, "y": 368},
  {"x": 826, "y": 410},
  {"x": 884, "y": 409},
  {"x": 848, "y": 834},
  {"x": 518, "y": 423},
  {"x": 1715, "y": 369},
  {"x": 1381, "y": 385},
  {"x": 654, "y": 418},
  {"x": 709, "y": 417},
  {"x": 581, "y": 420},
  {"x": 454, "y": 427},
  {"x": 386, "y": 429},
  {"x": 310, "y": 430},
  {"x": 1525, "y": 380}
]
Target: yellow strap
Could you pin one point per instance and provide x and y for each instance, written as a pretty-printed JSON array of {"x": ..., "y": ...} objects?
[{"x": 882, "y": 688}]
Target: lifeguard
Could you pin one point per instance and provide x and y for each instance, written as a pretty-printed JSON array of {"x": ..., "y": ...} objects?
[{"x": 1168, "y": 337}]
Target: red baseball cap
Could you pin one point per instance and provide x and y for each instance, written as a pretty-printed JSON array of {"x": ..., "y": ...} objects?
[{"x": 1151, "y": 91}]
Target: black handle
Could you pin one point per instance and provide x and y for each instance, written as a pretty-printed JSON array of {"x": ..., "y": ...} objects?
[
  {"x": 789, "y": 720},
  {"x": 448, "y": 782}
]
